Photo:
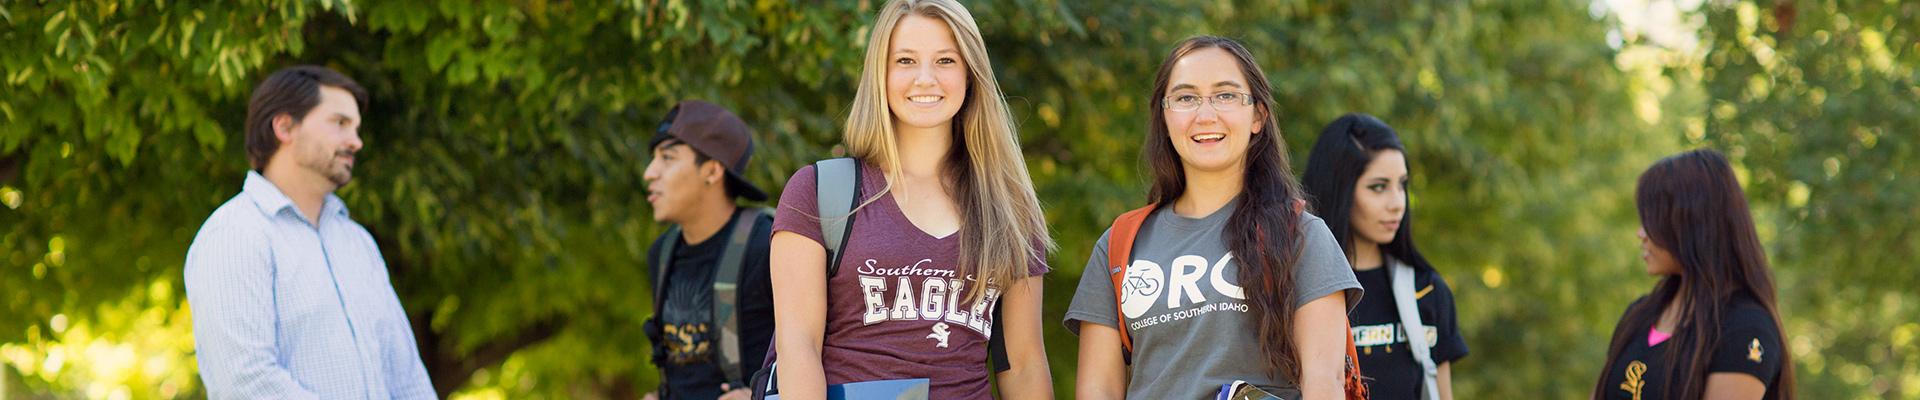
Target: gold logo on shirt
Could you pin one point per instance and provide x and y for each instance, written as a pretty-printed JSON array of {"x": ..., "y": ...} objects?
[
  {"x": 1753, "y": 350},
  {"x": 1633, "y": 383},
  {"x": 687, "y": 344}
]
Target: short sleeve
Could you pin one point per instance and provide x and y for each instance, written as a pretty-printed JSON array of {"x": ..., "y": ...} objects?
[
  {"x": 1450, "y": 345},
  {"x": 799, "y": 207},
  {"x": 1093, "y": 300},
  {"x": 1323, "y": 267},
  {"x": 1750, "y": 344},
  {"x": 1038, "y": 264}
]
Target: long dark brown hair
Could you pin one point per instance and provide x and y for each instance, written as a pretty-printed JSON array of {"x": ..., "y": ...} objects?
[
  {"x": 1691, "y": 205},
  {"x": 1264, "y": 231}
]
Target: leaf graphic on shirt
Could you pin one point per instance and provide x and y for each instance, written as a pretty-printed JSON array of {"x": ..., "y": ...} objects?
[{"x": 1633, "y": 384}]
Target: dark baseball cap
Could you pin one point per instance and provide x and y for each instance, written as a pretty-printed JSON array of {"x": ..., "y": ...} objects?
[{"x": 716, "y": 133}]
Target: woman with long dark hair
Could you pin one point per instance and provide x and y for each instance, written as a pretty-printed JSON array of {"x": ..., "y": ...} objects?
[
  {"x": 1227, "y": 280},
  {"x": 1358, "y": 177},
  {"x": 1711, "y": 327}
]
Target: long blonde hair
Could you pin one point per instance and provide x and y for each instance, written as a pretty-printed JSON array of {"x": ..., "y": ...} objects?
[{"x": 1002, "y": 229}]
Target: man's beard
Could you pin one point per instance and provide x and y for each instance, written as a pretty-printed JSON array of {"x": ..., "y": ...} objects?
[
  {"x": 336, "y": 170},
  {"x": 341, "y": 173}
]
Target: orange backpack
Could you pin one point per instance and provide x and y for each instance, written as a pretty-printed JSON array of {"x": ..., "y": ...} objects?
[{"x": 1120, "y": 254}]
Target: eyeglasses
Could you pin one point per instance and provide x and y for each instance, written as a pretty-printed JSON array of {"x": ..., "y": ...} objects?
[{"x": 1222, "y": 102}]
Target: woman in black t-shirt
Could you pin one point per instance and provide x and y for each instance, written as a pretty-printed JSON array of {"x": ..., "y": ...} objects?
[
  {"x": 1711, "y": 326},
  {"x": 1357, "y": 177}
]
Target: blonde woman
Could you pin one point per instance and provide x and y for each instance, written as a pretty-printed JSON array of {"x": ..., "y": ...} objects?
[{"x": 947, "y": 228}]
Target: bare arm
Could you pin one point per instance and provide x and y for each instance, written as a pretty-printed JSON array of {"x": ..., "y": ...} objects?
[
  {"x": 798, "y": 269},
  {"x": 1734, "y": 386},
  {"x": 1029, "y": 377},
  {"x": 1320, "y": 332},
  {"x": 1445, "y": 381},
  {"x": 1103, "y": 369}
]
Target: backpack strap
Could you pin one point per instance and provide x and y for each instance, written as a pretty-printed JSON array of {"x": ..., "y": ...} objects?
[
  {"x": 1404, "y": 300},
  {"x": 726, "y": 294},
  {"x": 1119, "y": 254},
  {"x": 663, "y": 262},
  {"x": 836, "y": 192},
  {"x": 1355, "y": 382}
]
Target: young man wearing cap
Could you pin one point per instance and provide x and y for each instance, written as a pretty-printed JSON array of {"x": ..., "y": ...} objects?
[
  {"x": 290, "y": 296},
  {"x": 713, "y": 304}
]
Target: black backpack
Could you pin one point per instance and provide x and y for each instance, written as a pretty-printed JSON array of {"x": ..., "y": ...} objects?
[{"x": 726, "y": 289}]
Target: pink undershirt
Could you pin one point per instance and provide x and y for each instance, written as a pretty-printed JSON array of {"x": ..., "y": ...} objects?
[{"x": 1655, "y": 336}]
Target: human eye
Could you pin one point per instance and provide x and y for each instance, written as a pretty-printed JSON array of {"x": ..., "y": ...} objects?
[
  {"x": 903, "y": 61},
  {"x": 946, "y": 60},
  {"x": 1228, "y": 97}
]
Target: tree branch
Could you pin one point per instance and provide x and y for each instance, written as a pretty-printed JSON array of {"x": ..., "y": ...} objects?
[{"x": 10, "y": 166}]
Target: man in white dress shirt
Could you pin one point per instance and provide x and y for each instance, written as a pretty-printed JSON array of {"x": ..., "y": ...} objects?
[{"x": 290, "y": 296}]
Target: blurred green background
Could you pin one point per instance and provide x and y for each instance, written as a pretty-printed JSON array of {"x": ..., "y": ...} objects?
[{"x": 505, "y": 141}]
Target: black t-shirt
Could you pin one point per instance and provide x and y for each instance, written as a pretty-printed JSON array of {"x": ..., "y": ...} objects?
[
  {"x": 1749, "y": 344},
  {"x": 685, "y": 352},
  {"x": 1382, "y": 345}
]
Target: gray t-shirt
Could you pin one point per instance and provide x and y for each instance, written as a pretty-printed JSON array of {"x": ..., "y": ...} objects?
[{"x": 1191, "y": 328}]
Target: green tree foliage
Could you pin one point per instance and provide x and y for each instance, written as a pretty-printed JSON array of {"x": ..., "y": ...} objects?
[
  {"x": 505, "y": 140},
  {"x": 1821, "y": 103}
]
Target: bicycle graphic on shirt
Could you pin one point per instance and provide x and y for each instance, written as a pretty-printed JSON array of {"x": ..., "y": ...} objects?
[{"x": 1141, "y": 285}]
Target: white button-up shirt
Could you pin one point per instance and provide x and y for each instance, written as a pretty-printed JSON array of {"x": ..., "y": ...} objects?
[{"x": 286, "y": 309}]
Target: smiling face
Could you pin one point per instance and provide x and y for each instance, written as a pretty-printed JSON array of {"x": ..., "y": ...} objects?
[
  {"x": 1206, "y": 138},
  {"x": 1380, "y": 199},
  {"x": 926, "y": 76},
  {"x": 324, "y": 142}
]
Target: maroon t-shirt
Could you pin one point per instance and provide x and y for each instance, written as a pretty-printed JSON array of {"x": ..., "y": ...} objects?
[{"x": 890, "y": 312}]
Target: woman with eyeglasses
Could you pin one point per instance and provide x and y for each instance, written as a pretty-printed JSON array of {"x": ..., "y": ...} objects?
[{"x": 1226, "y": 282}]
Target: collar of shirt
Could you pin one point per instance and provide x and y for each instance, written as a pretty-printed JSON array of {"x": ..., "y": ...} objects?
[{"x": 273, "y": 202}]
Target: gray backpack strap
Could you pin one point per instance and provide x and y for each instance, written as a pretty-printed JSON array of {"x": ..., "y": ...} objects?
[
  {"x": 836, "y": 191},
  {"x": 1416, "y": 331},
  {"x": 663, "y": 262},
  {"x": 726, "y": 294}
]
